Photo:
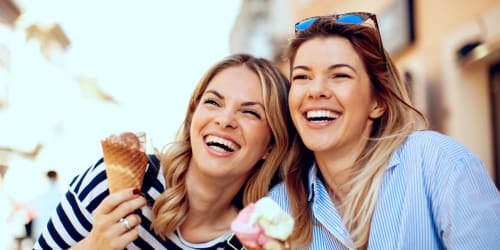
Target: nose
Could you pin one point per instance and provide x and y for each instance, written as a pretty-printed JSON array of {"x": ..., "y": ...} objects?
[
  {"x": 319, "y": 88},
  {"x": 226, "y": 119}
]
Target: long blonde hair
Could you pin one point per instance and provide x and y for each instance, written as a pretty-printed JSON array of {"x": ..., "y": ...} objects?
[
  {"x": 387, "y": 134},
  {"x": 171, "y": 207}
]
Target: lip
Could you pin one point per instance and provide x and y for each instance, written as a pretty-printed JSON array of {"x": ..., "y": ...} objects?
[
  {"x": 321, "y": 124},
  {"x": 225, "y": 137}
]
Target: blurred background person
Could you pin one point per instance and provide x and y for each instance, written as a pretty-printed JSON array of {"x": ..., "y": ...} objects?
[
  {"x": 6, "y": 219},
  {"x": 45, "y": 203}
]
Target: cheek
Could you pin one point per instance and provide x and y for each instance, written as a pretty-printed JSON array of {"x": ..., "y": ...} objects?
[
  {"x": 260, "y": 137},
  {"x": 264, "y": 147},
  {"x": 263, "y": 135},
  {"x": 195, "y": 122},
  {"x": 354, "y": 97},
  {"x": 294, "y": 98}
]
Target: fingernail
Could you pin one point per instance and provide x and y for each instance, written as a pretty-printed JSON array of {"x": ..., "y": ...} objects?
[{"x": 136, "y": 191}]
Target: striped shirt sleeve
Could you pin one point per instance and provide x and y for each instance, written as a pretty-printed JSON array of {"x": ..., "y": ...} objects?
[
  {"x": 470, "y": 206},
  {"x": 72, "y": 220}
]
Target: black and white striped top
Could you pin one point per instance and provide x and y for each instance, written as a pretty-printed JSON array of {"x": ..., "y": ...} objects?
[{"x": 73, "y": 218}]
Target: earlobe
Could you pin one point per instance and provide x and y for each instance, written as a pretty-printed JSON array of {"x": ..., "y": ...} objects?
[
  {"x": 377, "y": 110},
  {"x": 264, "y": 157}
]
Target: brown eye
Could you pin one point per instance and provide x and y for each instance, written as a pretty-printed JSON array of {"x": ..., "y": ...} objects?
[
  {"x": 341, "y": 76},
  {"x": 210, "y": 101},
  {"x": 299, "y": 77},
  {"x": 251, "y": 112}
]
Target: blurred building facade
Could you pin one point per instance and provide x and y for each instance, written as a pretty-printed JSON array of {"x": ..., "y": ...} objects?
[
  {"x": 40, "y": 101},
  {"x": 43, "y": 99},
  {"x": 31, "y": 62},
  {"x": 448, "y": 51}
]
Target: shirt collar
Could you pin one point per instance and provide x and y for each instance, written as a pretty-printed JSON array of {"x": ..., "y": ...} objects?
[
  {"x": 394, "y": 160},
  {"x": 312, "y": 177},
  {"x": 153, "y": 184},
  {"x": 319, "y": 199},
  {"x": 313, "y": 174}
]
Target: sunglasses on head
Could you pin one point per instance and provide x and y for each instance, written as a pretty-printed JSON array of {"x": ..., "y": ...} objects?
[
  {"x": 346, "y": 18},
  {"x": 358, "y": 18}
]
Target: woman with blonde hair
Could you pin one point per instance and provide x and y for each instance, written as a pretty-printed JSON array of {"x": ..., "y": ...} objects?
[
  {"x": 364, "y": 172},
  {"x": 227, "y": 152}
]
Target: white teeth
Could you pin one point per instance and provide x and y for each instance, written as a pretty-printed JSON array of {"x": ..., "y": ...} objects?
[
  {"x": 212, "y": 142},
  {"x": 319, "y": 114}
]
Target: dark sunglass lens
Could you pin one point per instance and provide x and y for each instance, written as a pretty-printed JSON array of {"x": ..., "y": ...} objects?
[
  {"x": 305, "y": 23},
  {"x": 351, "y": 18}
]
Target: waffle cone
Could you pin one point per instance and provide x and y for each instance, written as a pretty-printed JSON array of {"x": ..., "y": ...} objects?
[
  {"x": 252, "y": 248},
  {"x": 125, "y": 165}
]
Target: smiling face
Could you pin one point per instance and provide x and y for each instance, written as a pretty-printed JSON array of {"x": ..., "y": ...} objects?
[
  {"x": 229, "y": 129},
  {"x": 331, "y": 100}
]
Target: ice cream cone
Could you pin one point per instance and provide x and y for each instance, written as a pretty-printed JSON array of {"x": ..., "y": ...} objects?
[
  {"x": 277, "y": 245},
  {"x": 125, "y": 162},
  {"x": 252, "y": 248}
]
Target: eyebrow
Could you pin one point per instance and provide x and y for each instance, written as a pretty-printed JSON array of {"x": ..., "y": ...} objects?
[
  {"x": 219, "y": 95},
  {"x": 334, "y": 66}
]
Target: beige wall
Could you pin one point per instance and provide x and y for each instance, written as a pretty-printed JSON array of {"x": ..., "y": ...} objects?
[{"x": 463, "y": 105}]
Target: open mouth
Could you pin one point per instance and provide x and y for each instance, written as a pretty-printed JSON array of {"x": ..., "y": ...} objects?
[
  {"x": 220, "y": 144},
  {"x": 321, "y": 115}
]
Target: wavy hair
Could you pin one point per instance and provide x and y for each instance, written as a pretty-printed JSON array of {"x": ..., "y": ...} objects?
[
  {"x": 171, "y": 207},
  {"x": 388, "y": 132}
]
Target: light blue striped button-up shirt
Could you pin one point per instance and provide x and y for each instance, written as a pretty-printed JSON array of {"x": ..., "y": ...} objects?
[{"x": 435, "y": 195}]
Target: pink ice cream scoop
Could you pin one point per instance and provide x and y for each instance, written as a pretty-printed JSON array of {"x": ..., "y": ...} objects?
[
  {"x": 262, "y": 225},
  {"x": 249, "y": 235}
]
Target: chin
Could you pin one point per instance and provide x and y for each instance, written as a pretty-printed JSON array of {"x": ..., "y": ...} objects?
[{"x": 315, "y": 145}]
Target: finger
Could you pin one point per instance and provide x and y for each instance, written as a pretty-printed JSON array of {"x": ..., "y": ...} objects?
[
  {"x": 112, "y": 236},
  {"x": 123, "y": 240},
  {"x": 129, "y": 222},
  {"x": 128, "y": 207},
  {"x": 113, "y": 200}
]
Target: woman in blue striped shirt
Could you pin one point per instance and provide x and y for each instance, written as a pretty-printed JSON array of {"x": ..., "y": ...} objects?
[
  {"x": 365, "y": 174},
  {"x": 231, "y": 143}
]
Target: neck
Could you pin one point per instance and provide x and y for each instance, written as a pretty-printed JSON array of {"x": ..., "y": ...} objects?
[
  {"x": 336, "y": 171},
  {"x": 210, "y": 209},
  {"x": 337, "y": 183},
  {"x": 337, "y": 166}
]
